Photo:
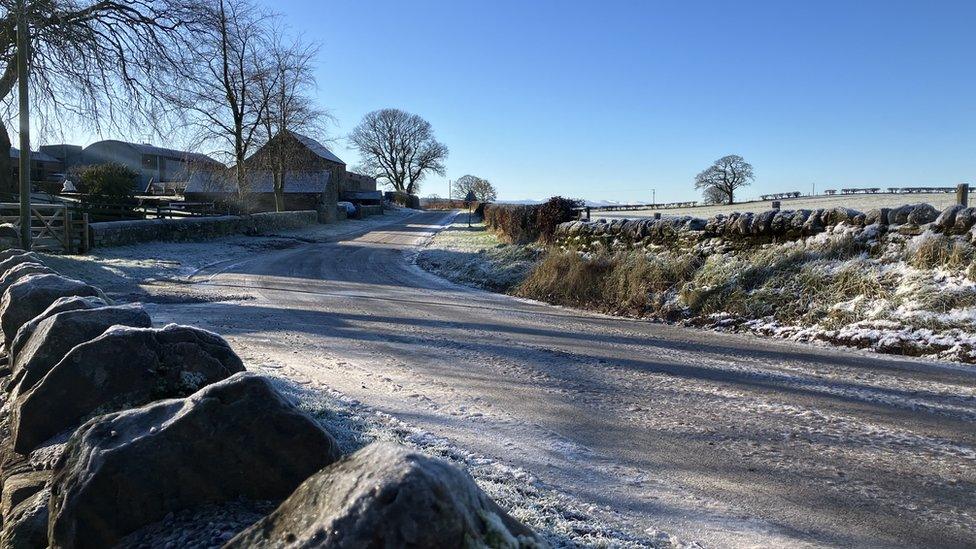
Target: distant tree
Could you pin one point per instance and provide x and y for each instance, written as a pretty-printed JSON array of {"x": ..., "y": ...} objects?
[
  {"x": 724, "y": 177},
  {"x": 483, "y": 190},
  {"x": 713, "y": 195},
  {"x": 399, "y": 148}
]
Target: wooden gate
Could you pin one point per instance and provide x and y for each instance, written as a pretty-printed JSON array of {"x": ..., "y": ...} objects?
[{"x": 54, "y": 227}]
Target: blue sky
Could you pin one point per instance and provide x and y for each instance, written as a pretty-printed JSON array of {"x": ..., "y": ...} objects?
[{"x": 610, "y": 99}]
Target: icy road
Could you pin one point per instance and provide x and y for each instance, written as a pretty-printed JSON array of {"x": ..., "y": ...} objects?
[{"x": 721, "y": 439}]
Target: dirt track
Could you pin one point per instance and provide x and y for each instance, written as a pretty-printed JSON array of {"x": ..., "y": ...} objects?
[{"x": 724, "y": 439}]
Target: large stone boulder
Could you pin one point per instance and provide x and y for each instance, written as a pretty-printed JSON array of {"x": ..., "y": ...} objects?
[
  {"x": 56, "y": 335},
  {"x": 947, "y": 219},
  {"x": 235, "y": 439},
  {"x": 21, "y": 270},
  {"x": 28, "y": 297},
  {"x": 61, "y": 304},
  {"x": 122, "y": 368},
  {"x": 964, "y": 220},
  {"x": 10, "y": 252},
  {"x": 922, "y": 214},
  {"x": 877, "y": 216},
  {"x": 14, "y": 259},
  {"x": 388, "y": 496}
]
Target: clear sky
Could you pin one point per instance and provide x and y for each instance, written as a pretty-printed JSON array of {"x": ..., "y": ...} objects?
[{"x": 610, "y": 99}]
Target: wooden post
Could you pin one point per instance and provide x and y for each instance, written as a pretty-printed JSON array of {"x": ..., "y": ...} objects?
[
  {"x": 962, "y": 194},
  {"x": 587, "y": 213},
  {"x": 85, "y": 242},
  {"x": 67, "y": 230},
  {"x": 776, "y": 204},
  {"x": 657, "y": 215},
  {"x": 23, "y": 43}
]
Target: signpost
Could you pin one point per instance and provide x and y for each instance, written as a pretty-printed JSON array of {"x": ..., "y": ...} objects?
[
  {"x": 469, "y": 200},
  {"x": 23, "y": 45}
]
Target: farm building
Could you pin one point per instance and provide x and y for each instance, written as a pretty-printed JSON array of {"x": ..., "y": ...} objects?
[
  {"x": 153, "y": 164},
  {"x": 44, "y": 167},
  {"x": 302, "y": 190},
  {"x": 311, "y": 167}
]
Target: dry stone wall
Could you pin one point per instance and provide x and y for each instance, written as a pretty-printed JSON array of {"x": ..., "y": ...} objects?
[
  {"x": 120, "y": 233},
  {"x": 743, "y": 229}
]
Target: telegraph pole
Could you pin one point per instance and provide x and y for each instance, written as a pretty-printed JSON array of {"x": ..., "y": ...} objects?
[{"x": 23, "y": 46}]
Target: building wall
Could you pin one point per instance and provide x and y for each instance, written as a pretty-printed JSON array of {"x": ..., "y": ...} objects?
[{"x": 120, "y": 233}]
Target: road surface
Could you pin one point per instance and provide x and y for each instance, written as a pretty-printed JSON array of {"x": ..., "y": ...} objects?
[{"x": 724, "y": 439}]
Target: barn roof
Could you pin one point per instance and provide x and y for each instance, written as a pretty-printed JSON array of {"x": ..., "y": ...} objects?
[
  {"x": 316, "y": 147},
  {"x": 260, "y": 182},
  {"x": 35, "y": 155},
  {"x": 152, "y": 150}
]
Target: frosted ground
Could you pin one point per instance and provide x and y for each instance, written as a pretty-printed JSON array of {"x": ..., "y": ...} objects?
[
  {"x": 167, "y": 273},
  {"x": 862, "y": 202}
]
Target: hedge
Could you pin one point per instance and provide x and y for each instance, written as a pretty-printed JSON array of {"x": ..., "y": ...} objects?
[{"x": 522, "y": 224}]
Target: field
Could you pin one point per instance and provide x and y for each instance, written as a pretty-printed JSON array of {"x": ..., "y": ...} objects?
[{"x": 862, "y": 202}]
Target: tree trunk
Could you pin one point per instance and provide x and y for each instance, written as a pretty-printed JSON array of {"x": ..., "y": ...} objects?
[
  {"x": 8, "y": 185},
  {"x": 279, "y": 190}
]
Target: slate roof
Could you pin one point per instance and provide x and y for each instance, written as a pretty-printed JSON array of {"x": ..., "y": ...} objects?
[
  {"x": 147, "y": 149},
  {"x": 261, "y": 182},
  {"x": 35, "y": 155},
  {"x": 317, "y": 148}
]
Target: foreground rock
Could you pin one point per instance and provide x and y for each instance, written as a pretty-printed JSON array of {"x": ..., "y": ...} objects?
[
  {"x": 387, "y": 496},
  {"x": 56, "y": 335},
  {"x": 234, "y": 439},
  {"x": 10, "y": 252},
  {"x": 28, "y": 297},
  {"x": 15, "y": 273},
  {"x": 9, "y": 236},
  {"x": 122, "y": 368},
  {"x": 10, "y": 260},
  {"x": 25, "y": 527},
  {"x": 71, "y": 303}
]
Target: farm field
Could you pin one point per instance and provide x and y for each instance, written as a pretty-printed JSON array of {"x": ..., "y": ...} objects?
[{"x": 861, "y": 202}]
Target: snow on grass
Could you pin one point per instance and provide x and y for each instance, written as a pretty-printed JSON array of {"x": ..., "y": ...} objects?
[{"x": 562, "y": 519}]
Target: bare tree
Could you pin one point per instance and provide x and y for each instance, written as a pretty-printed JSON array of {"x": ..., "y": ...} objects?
[
  {"x": 224, "y": 95},
  {"x": 713, "y": 195},
  {"x": 725, "y": 176},
  {"x": 94, "y": 63},
  {"x": 288, "y": 85},
  {"x": 483, "y": 190},
  {"x": 398, "y": 147}
]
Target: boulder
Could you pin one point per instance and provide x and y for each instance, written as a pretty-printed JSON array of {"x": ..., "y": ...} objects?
[
  {"x": 235, "y": 439},
  {"x": 780, "y": 222},
  {"x": 16, "y": 259},
  {"x": 838, "y": 215},
  {"x": 21, "y": 270},
  {"x": 899, "y": 215},
  {"x": 877, "y": 216},
  {"x": 28, "y": 297},
  {"x": 56, "y": 335},
  {"x": 122, "y": 368},
  {"x": 813, "y": 223},
  {"x": 922, "y": 214},
  {"x": 964, "y": 220},
  {"x": 762, "y": 222},
  {"x": 696, "y": 224},
  {"x": 70, "y": 303},
  {"x": 743, "y": 224},
  {"x": 388, "y": 496},
  {"x": 27, "y": 524},
  {"x": 799, "y": 220},
  {"x": 10, "y": 252},
  {"x": 947, "y": 219}
]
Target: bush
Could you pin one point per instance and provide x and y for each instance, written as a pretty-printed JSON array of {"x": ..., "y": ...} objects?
[
  {"x": 404, "y": 199},
  {"x": 520, "y": 224},
  {"x": 111, "y": 181}
]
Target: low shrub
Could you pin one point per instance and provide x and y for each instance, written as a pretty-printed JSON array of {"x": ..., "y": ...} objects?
[
  {"x": 108, "y": 182},
  {"x": 522, "y": 224}
]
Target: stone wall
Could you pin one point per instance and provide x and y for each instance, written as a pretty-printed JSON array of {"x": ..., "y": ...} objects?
[
  {"x": 120, "y": 233},
  {"x": 768, "y": 226}
]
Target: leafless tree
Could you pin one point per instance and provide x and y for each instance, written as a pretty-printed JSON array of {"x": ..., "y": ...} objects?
[
  {"x": 398, "y": 147},
  {"x": 288, "y": 84},
  {"x": 724, "y": 177},
  {"x": 224, "y": 94},
  {"x": 713, "y": 195},
  {"x": 483, "y": 190},
  {"x": 94, "y": 63}
]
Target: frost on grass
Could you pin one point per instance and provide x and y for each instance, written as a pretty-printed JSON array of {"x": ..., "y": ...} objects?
[
  {"x": 473, "y": 256},
  {"x": 562, "y": 519},
  {"x": 911, "y": 294}
]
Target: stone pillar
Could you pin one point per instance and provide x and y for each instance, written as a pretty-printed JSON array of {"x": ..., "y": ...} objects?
[
  {"x": 329, "y": 204},
  {"x": 657, "y": 215},
  {"x": 776, "y": 204}
]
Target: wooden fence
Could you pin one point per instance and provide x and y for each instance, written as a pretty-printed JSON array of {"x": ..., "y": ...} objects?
[{"x": 54, "y": 227}]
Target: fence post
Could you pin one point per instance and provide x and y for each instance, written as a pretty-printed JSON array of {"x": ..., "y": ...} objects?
[
  {"x": 776, "y": 204},
  {"x": 962, "y": 194},
  {"x": 67, "y": 230},
  {"x": 587, "y": 213},
  {"x": 85, "y": 242},
  {"x": 657, "y": 215}
]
